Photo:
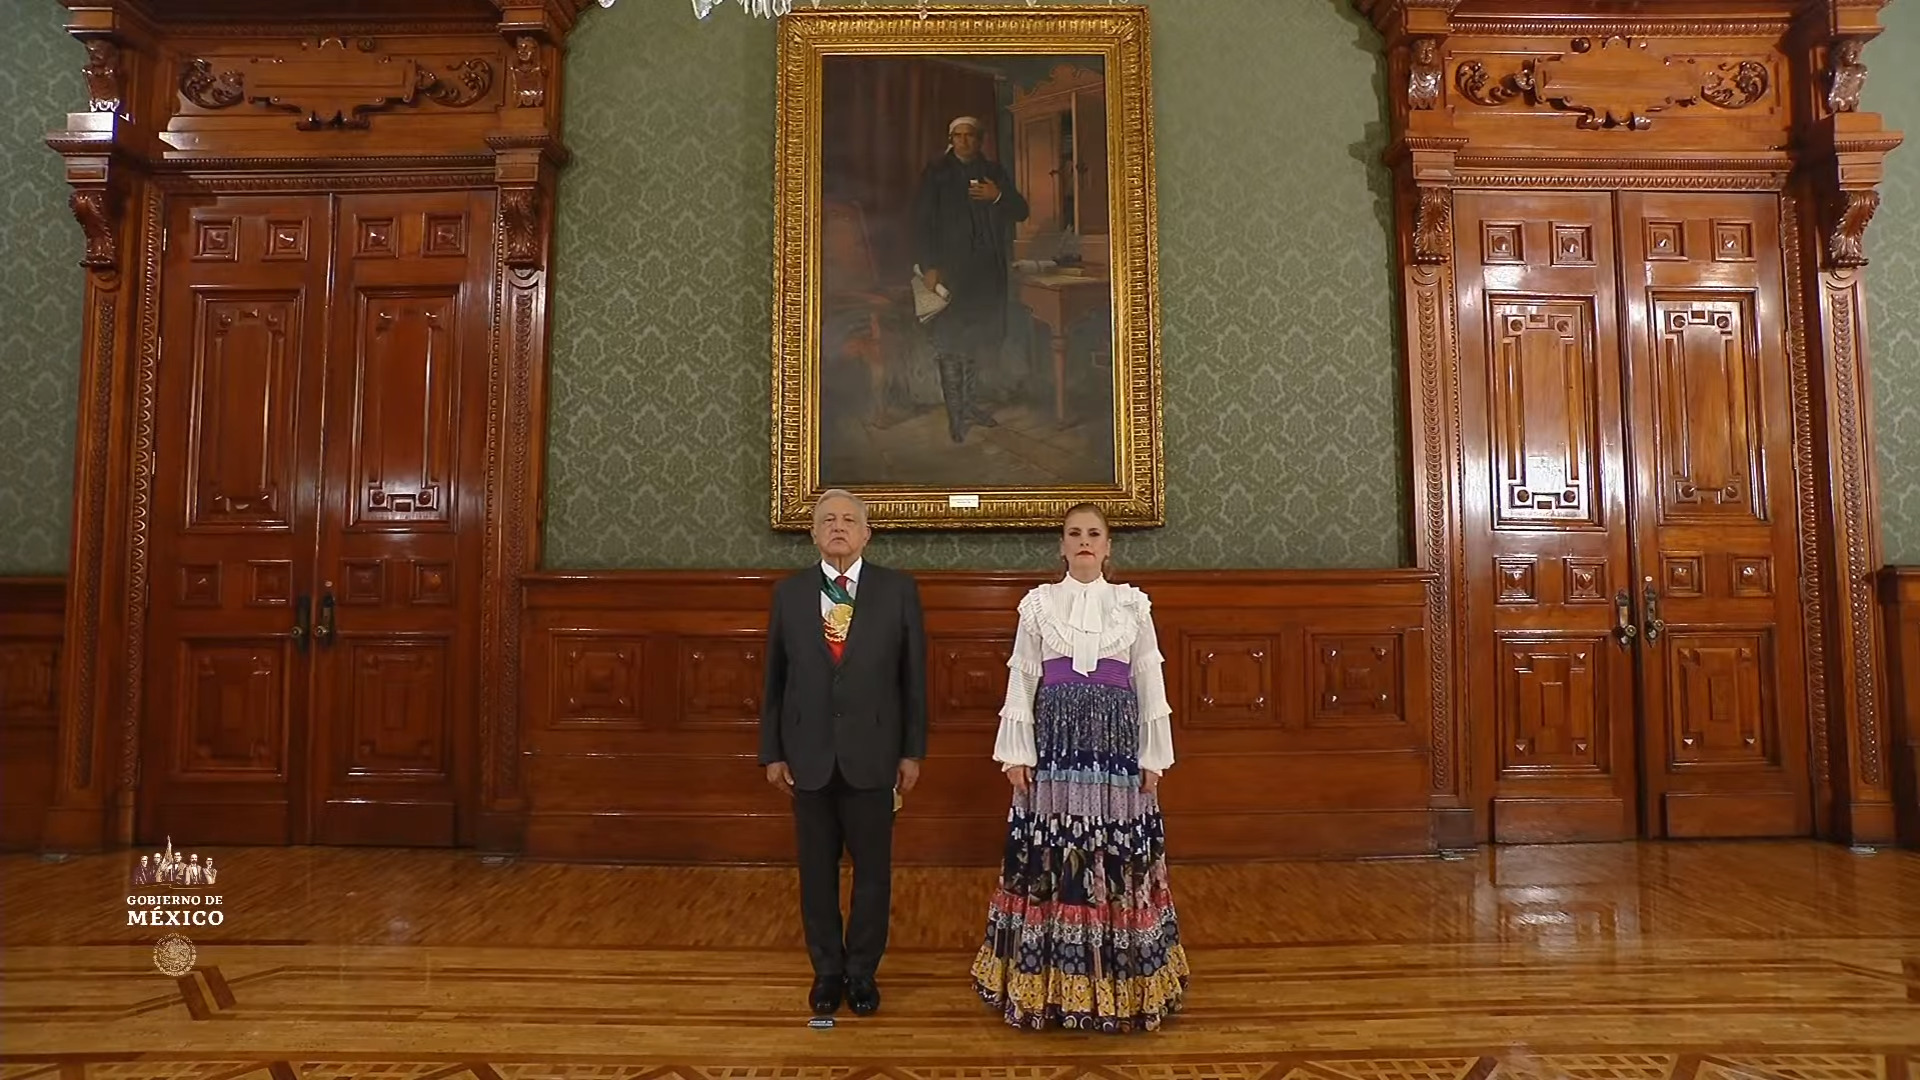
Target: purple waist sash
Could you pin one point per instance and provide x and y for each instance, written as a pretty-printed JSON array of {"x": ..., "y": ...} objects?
[{"x": 1108, "y": 672}]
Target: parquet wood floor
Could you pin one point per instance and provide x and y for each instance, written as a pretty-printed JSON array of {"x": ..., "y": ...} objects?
[{"x": 1705, "y": 961}]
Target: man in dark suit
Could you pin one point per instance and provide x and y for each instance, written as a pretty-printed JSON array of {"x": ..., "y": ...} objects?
[
  {"x": 843, "y": 725},
  {"x": 963, "y": 219}
]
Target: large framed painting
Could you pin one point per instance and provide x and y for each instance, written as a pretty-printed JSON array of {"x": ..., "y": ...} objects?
[{"x": 966, "y": 304}]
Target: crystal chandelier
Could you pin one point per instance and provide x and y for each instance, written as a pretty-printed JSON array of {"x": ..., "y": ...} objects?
[{"x": 768, "y": 9}]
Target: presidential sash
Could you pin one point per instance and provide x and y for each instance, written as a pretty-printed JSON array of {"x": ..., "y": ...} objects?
[{"x": 839, "y": 618}]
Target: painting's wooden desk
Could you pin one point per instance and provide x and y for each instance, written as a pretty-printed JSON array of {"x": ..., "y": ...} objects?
[{"x": 1059, "y": 300}]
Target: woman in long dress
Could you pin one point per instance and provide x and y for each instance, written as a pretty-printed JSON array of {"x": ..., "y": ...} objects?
[{"x": 1081, "y": 930}]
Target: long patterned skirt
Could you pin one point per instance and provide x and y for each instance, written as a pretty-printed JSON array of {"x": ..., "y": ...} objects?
[{"x": 1081, "y": 929}]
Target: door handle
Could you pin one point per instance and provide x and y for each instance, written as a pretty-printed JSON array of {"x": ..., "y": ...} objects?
[
  {"x": 1655, "y": 624},
  {"x": 1623, "y": 618},
  {"x": 302, "y": 621},
  {"x": 323, "y": 632}
]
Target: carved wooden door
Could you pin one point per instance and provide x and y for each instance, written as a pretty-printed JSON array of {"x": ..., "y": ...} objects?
[
  {"x": 1546, "y": 512},
  {"x": 1628, "y": 509},
  {"x": 321, "y": 691},
  {"x": 1716, "y": 536},
  {"x": 235, "y": 438},
  {"x": 402, "y": 518}
]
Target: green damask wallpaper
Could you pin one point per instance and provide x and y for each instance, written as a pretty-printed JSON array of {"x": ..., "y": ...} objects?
[
  {"x": 1281, "y": 383},
  {"x": 1893, "y": 282},
  {"x": 1282, "y": 433},
  {"x": 40, "y": 290}
]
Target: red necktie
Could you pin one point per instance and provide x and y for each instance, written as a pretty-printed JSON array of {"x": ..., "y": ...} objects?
[{"x": 837, "y": 647}]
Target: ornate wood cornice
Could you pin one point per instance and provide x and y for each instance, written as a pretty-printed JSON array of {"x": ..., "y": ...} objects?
[
  {"x": 524, "y": 169},
  {"x": 334, "y": 84},
  {"x": 552, "y": 20},
  {"x": 1397, "y": 18},
  {"x": 1616, "y": 82},
  {"x": 98, "y": 171},
  {"x": 1842, "y": 149},
  {"x": 335, "y": 14}
]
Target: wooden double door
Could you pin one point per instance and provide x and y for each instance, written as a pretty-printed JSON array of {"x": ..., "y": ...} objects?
[
  {"x": 1631, "y": 528},
  {"x": 311, "y": 640}
]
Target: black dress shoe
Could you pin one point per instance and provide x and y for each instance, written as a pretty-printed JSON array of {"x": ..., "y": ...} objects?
[
  {"x": 825, "y": 996},
  {"x": 863, "y": 994}
]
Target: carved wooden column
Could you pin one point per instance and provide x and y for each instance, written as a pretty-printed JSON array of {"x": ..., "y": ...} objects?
[
  {"x": 102, "y": 147},
  {"x": 1422, "y": 158},
  {"x": 1835, "y": 194},
  {"x": 528, "y": 154}
]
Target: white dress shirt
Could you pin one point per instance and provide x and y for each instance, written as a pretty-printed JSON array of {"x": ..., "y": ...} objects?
[
  {"x": 1087, "y": 621},
  {"x": 853, "y": 583}
]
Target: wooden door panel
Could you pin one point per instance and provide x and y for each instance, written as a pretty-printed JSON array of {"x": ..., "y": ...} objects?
[
  {"x": 1546, "y": 431},
  {"x": 1723, "y": 683},
  {"x": 1548, "y": 697},
  {"x": 1720, "y": 700},
  {"x": 399, "y": 557},
  {"x": 1703, "y": 384},
  {"x": 241, "y": 438},
  {"x": 1545, "y": 513},
  {"x": 405, "y": 412},
  {"x": 397, "y": 708},
  {"x": 235, "y": 439}
]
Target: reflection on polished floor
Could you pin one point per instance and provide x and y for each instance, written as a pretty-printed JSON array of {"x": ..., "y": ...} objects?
[{"x": 1681, "y": 961}]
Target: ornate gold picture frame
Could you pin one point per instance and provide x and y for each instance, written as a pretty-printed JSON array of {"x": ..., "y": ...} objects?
[{"x": 966, "y": 312}]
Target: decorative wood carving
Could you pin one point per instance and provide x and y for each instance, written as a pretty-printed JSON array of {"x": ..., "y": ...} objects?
[
  {"x": 104, "y": 93},
  {"x": 1232, "y": 682},
  {"x": 1855, "y": 529},
  {"x": 1423, "y": 74},
  {"x": 527, "y": 74},
  {"x": 519, "y": 218},
  {"x": 333, "y": 85},
  {"x": 1846, "y": 240},
  {"x": 200, "y": 85},
  {"x": 1357, "y": 679},
  {"x": 420, "y": 192},
  {"x": 1814, "y": 587},
  {"x": 1617, "y": 83},
  {"x": 1847, "y": 76},
  {"x": 1301, "y": 714},
  {"x": 94, "y": 208},
  {"x": 1714, "y": 93},
  {"x": 1433, "y": 225}
]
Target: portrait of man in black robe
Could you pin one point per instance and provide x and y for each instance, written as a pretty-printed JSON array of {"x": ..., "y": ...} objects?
[{"x": 963, "y": 225}]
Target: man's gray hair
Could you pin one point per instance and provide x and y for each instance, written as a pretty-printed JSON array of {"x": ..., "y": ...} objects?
[{"x": 859, "y": 504}]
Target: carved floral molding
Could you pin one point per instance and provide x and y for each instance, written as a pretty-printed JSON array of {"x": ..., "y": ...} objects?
[
  {"x": 1851, "y": 210},
  {"x": 1433, "y": 225},
  {"x": 334, "y": 86},
  {"x": 93, "y": 208},
  {"x": 1617, "y": 82}
]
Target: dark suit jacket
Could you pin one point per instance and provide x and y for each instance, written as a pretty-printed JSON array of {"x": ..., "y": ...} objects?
[{"x": 864, "y": 713}]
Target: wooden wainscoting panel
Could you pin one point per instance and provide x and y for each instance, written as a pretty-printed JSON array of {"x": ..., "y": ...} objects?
[
  {"x": 1302, "y": 715},
  {"x": 1900, "y": 601},
  {"x": 31, "y": 610}
]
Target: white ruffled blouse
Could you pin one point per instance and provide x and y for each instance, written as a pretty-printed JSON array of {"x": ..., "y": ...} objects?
[{"x": 1087, "y": 621}]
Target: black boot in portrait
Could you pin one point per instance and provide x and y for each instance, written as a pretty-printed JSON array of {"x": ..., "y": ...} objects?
[{"x": 843, "y": 725}]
